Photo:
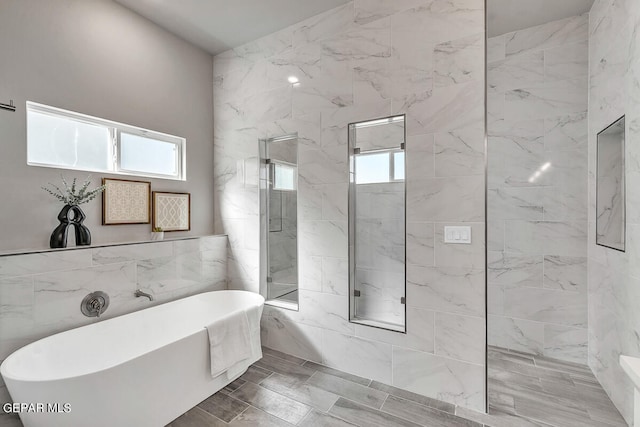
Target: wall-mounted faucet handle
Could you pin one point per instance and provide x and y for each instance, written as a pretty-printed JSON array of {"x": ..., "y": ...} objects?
[
  {"x": 139, "y": 293},
  {"x": 94, "y": 304}
]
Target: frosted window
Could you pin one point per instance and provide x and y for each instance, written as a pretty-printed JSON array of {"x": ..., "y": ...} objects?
[
  {"x": 66, "y": 142},
  {"x": 284, "y": 177},
  {"x": 372, "y": 168},
  {"x": 148, "y": 155},
  {"x": 398, "y": 166}
]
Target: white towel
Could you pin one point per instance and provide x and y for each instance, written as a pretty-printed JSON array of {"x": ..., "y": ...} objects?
[{"x": 229, "y": 342}]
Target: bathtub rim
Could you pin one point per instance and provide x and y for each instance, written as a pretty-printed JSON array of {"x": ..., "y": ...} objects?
[{"x": 8, "y": 377}]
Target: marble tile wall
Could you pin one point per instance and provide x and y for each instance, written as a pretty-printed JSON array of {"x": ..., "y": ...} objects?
[
  {"x": 614, "y": 277},
  {"x": 365, "y": 60},
  {"x": 537, "y": 189},
  {"x": 40, "y": 293},
  {"x": 380, "y": 251}
]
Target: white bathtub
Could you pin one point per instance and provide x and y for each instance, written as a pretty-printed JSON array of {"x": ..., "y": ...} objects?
[{"x": 143, "y": 369}]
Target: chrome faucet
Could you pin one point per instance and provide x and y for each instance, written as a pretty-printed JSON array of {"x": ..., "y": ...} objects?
[{"x": 139, "y": 293}]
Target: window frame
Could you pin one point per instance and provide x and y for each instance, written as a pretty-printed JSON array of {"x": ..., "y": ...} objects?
[{"x": 115, "y": 130}]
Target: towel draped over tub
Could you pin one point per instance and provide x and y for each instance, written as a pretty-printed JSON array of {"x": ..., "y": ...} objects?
[{"x": 230, "y": 343}]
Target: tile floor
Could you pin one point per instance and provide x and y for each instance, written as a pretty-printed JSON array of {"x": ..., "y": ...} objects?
[{"x": 282, "y": 390}]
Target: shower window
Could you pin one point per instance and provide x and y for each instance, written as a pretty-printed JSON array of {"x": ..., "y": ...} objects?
[
  {"x": 279, "y": 234},
  {"x": 377, "y": 223}
]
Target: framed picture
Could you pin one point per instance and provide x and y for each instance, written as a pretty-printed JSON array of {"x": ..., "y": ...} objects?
[
  {"x": 126, "y": 202},
  {"x": 172, "y": 211}
]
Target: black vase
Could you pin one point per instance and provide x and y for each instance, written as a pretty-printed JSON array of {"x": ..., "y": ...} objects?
[{"x": 59, "y": 235}]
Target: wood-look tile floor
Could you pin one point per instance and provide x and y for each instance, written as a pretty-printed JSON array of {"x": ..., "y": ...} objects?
[{"x": 282, "y": 390}]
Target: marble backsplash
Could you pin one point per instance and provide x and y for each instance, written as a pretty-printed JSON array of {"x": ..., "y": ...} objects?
[
  {"x": 362, "y": 61},
  {"x": 40, "y": 293},
  {"x": 537, "y": 189}
]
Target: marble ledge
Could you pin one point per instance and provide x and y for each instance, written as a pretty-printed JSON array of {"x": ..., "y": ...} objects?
[{"x": 103, "y": 245}]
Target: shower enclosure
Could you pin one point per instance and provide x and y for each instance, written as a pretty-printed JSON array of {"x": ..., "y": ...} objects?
[
  {"x": 377, "y": 223},
  {"x": 279, "y": 234}
]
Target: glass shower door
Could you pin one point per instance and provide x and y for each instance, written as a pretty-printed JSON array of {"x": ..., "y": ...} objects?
[{"x": 377, "y": 223}]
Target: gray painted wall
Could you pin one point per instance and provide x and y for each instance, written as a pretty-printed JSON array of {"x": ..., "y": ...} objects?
[{"x": 101, "y": 59}]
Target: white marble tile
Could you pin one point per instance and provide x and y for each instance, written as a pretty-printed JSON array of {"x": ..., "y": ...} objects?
[
  {"x": 564, "y": 343},
  {"x": 335, "y": 276},
  {"x": 420, "y": 159},
  {"x": 323, "y": 166},
  {"x": 412, "y": 71},
  {"x": 453, "y": 290},
  {"x": 546, "y": 238},
  {"x": 460, "y": 255},
  {"x": 324, "y": 25},
  {"x": 438, "y": 377},
  {"x": 460, "y": 152},
  {"x": 361, "y": 43},
  {"x": 309, "y": 201},
  {"x": 525, "y": 70},
  {"x": 311, "y": 273},
  {"x": 22, "y": 265},
  {"x": 325, "y": 311},
  {"x": 324, "y": 238},
  {"x": 445, "y": 199},
  {"x": 514, "y": 270},
  {"x": 516, "y": 153},
  {"x": 566, "y": 61},
  {"x": 419, "y": 335},
  {"x": 228, "y": 61},
  {"x": 459, "y": 61},
  {"x": 127, "y": 253},
  {"x": 496, "y": 48},
  {"x": 547, "y": 305},
  {"x": 16, "y": 299},
  {"x": 275, "y": 104},
  {"x": 266, "y": 46},
  {"x": 495, "y": 235},
  {"x": 549, "y": 100},
  {"x": 516, "y": 334},
  {"x": 335, "y": 202},
  {"x": 460, "y": 337},
  {"x": 525, "y": 203},
  {"x": 371, "y": 10},
  {"x": 561, "y": 32},
  {"x": 495, "y": 300},
  {"x": 239, "y": 83},
  {"x": 57, "y": 295},
  {"x": 565, "y": 273},
  {"x": 495, "y": 107},
  {"x": 335, "y": 122},
  {"x": 358, "y": 356},
  {"x": 566, "y": 132},
  {"x": 443, "y": 109},
  {"x": 372, "y": 82},
  {"x": 208, "y": 268},
  {"x": 420, "y": 243},
  {"x": 438, "y": 21},
  {"x": 292, "y": 338}
]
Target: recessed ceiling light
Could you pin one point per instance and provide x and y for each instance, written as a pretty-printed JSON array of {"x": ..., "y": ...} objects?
[{"x": 293, "y": 80}]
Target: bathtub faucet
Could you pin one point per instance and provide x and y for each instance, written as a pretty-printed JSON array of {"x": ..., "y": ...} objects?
[{"x": 139, "y": 293}]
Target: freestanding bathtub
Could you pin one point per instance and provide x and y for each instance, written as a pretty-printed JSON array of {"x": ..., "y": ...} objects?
[{"x": 142, "y": 369}]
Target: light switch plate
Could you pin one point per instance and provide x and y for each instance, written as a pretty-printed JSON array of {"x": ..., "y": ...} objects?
[{"x": 457, "y": 235}]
